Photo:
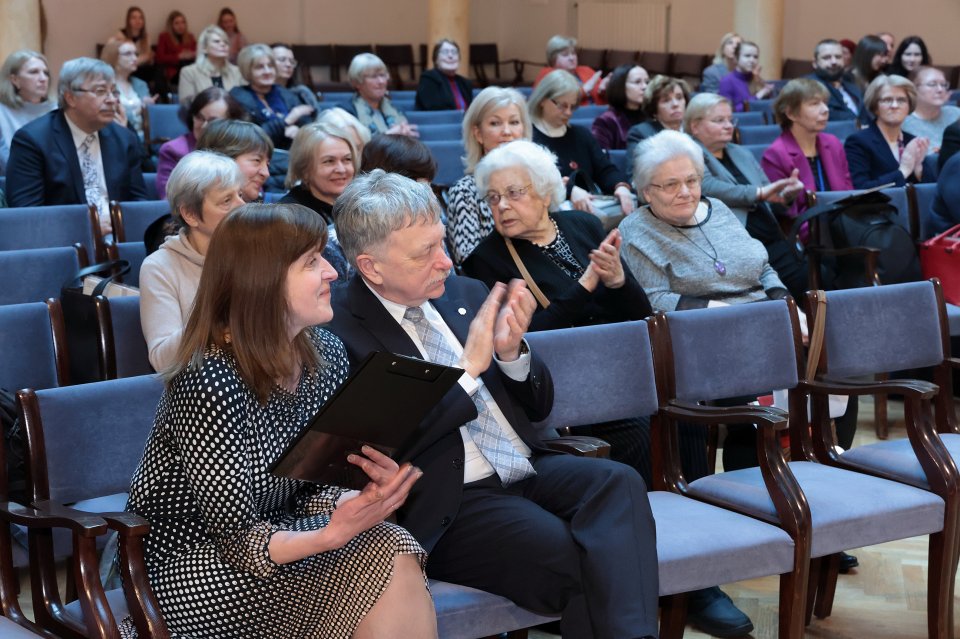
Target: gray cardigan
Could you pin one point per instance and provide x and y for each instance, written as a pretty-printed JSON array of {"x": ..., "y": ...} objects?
[
  {"x": 720, "y": 184},
  {"x": 676, "y": 269}
]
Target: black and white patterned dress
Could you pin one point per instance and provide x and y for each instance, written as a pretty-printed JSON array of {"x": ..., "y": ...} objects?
[
  {"x": 212, "y": 504},
  {"x": 469, "y": 219}
]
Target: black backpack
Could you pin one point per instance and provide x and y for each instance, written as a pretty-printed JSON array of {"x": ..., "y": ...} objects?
[{"x": 866, "y": 219}]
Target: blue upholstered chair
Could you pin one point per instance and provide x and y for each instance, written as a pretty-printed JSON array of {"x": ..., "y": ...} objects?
[
  {"x": 751, "y": 118},
  {"x": 439, "y": 132},
  {"x": 122, "y": 349},
  {"x": 619, "y": 158},
  {"x": 134, "y": 253},
  {"x": 34, "y": 275},
  {"x": 32, "y": 346},
  {"x": 150, "y": 180},
  {"x": 162, "y": 123},
  {"x": 921, "y": 198},
  {"x": 756, "y": 149},
  {"x": 841, "y": 128},
  {"x": 761, "y": 134},
  {"x": 764, "y": 106},
  {"x": 70, "y": 431},
  {"x": 448, "y": 155},
  {"x": 749, "y": 350},
  {"x": 48, "y": 226},
  {"x": 131, "y": 219},
  {"x": 881, "y": 330},
  {"x": 605, "y": 373},
  {"x": 434, "y": 117}
]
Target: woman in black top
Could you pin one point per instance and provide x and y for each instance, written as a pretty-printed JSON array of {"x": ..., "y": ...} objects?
[{"x": 442, "y": 88}]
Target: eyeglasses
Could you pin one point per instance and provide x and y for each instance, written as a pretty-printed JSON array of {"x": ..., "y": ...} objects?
[
  {"x": 382, "y": 75},
  {"x": 565, "y": 107},
  {"x": 721, "y": 121},
  {"x": 286, "y": 60},
  {"x": 936, "y": 85},
  {"x": 514, "y": 193},
  {"x": 100, "y": 92},
  {"x": 202, "y": 120},
  {"x": 673, "y": 187},
  {"x": 892, "y": 102}
]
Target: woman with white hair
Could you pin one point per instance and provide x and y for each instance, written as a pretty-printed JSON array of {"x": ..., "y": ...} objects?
[
  {"x": 369, "y": 77},
  {"x": 24, "y": 95},
  {"x": 202, "y": 190},
  {"x": 212, "y": 68},
  {"x": 277, "y": 110},
  {"x": 562, "y": 54},
  {"x": 496, "y": 116},
  {"x": 579, "y": 156}
]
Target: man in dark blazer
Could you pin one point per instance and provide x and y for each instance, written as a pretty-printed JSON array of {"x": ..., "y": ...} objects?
[
  {"x": 45, "y": 155},
  {"x": 573, "y": 536},
  {"x": 846, "y": 100}
]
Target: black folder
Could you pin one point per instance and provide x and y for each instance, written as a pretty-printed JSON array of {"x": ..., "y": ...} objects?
[{"x": 381, "y": 405}]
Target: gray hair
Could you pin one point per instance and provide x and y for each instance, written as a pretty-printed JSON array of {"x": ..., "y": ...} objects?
[
  {"x": 539, "y": 163},
  {"x": 700, "y": 105},
  {"x": 203, "y": 41},
  {"x": 346, "y": 121},
  {"x": 557, "y": 45},
  {"x": 249, "y": 55},
  {"x": 375, "y": 205},
  {"x": 871, "y": 97},
  {"x": 11, "y": 66},
  {"x": 490, "y": 99},
  {"x": 551, "y": 87},
  {"x": 361, "y": 64},
  {"x": 74, "y": 73},
  {"x": 193, "y": 177},
  {"x": 663, "y": 147},
  {"x": 303, "y": 151}
]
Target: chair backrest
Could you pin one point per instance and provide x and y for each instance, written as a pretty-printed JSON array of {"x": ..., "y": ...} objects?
[
  {"x": 796, "y": 68},
  {"x": 600, "y": 373},
  {"x": 165, "y": 123},
  {"x": 619, "y": 157},
  {"x": 397, "y": 56},
  {"x": 759, "y": 105},
  {"x": 35, "y": 227},
  {"x": 343, "y": 55},
  {"x": 132, "y": 252},
  {"x": 655, "y": 62},
  {"x": 616, "y": 57},
  {"x": 434, "y": 117},
  {"x": 439, "y": 132},
  {"x": 131, "y": 219},
  {"x": 593, "y": 58},
  {"x": 32, "y": 346},
  {"x": 448, "y": 155},
  {"x": 689, "y": 65},
  {"x": 34, "y": 275},
  {"x": 731, "y": 351},
  {"x": 841, "y": 128},
  {"x": 310, "y": 56},
  {"x": 85, "y": 441},
  {"x": 751, "y": 118},
  {"x": 757, "y": 150},
  {"x": 763, "y": 134},
  {"x": 124, "y": 347},
  {"x": 590, "y": 112},
  {"x": 922, "y": 201},
  {"x": 482, "y": 54},
  {"x": 881, "y": 329},
  {"x": 150, "y": 180}
]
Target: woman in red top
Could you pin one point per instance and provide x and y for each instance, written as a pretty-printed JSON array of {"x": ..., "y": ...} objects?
[
  {"x": 176, "y": 46},
  {"x": 562, "y": 54}
]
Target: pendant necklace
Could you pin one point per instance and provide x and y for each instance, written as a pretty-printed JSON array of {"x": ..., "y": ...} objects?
[{"x": 718, "y": 264}]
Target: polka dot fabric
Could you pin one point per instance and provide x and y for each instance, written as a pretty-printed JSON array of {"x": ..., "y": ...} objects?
[{"x": 212, "y": 504}]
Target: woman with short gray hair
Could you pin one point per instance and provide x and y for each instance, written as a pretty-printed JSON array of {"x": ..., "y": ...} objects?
[
  {"x": 203, "y": 188},
  {"x": 589, "y": 170},
  {"x": 495, "y": 117},
  {"x": 24, "y": 96},
  {"x": 369, "y": 77},
  {"x": 279, "y": 111},
  {"x": 562, "y": 55}
]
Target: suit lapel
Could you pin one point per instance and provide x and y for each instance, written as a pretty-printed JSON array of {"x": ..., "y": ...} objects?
[
  {"x": 63, "y": 138},
  {"x": 375, "y": 319},
  {"x": 456, "y": 311}
]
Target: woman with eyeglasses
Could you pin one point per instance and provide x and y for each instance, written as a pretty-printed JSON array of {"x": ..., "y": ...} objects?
[
  {"x": 803, "y": 149},
  {"x": 664, "y": 101},
  {"x": 289, "y": 76},
  {"x": 733, "y": 176},
  {"x": 579, "y": 156},
  {"x": 371, "y": 104},
  {"x": 134, "y": 92},
  {"x": 884, "y": 153},
  {"x": 932, "y": 115},
  {"x": 442, "y": 88},
  {"x": 212, "y": 68},
  {"x": 208, "y": 105}
]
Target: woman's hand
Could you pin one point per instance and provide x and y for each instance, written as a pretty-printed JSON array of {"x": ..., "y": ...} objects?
[
  {"x": 404, "y": 128},
  {"x": 388, "y": 489},
  {"x": 150, "y": 100},
  {"x": 120, "y": 115},
  {"x": 297, "y": 112},
  {"x": 783, "y": 191},
  {"x": 911, "y": 160},
  {"x": 290, "y": 131},
  {"x": 592, "y": 82},
  {"x": 582, "y": 201},
  {"x": 605, "y": 260},
  {"x": 627, "y": 203}
]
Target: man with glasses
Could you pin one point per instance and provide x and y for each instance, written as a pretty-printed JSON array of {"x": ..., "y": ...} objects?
[
  {"x": 846, "y": 100},
  {"x": 77, "y": 154}
]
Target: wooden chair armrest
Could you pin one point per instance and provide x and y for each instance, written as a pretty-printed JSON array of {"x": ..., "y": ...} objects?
[
  {"x": 913, "y": 387},
  {"x": 764, "y": 416},
  {"x": 51, "y": 515}
]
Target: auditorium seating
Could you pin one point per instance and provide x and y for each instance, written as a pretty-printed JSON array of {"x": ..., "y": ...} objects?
[
  {"x": 131, "y": 219},
  {"x": 33, "y": 275},
  {"x": 49, "y": 226},
  {"x": 32, "y": 346}
]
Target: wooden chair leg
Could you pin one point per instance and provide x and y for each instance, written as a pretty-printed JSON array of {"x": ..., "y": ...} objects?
[
  {"x": 673, "y": 616},
  {"x": 880, "y": 423},
  {"x": 940, "y": 584},
  {"x": 827, "y": 586},
  {"x": 812, "y": 580}
]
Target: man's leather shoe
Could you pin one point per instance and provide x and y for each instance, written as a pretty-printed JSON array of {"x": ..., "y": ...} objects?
[
  {"x": 847, "y": 562},
  {"x": 712, "y": 611}
]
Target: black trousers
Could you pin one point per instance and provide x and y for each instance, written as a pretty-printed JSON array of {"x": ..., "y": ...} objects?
[{"x": 577, "y": 539}]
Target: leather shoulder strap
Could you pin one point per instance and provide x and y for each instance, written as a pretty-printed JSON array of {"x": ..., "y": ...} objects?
[{"x": 537, "y": 293}]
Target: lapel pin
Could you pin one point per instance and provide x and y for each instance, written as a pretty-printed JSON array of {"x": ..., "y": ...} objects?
[{"x": 462, "y": 311}]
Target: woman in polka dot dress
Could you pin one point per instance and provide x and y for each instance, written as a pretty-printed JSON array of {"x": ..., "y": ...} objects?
[{"x": 234, "y": 551}]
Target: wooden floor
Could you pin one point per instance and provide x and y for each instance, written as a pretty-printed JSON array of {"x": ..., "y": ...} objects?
[{"x": 885, "y": 598}]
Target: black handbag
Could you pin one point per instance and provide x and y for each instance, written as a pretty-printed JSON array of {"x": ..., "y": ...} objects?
[{"x": 80, "y": 315}]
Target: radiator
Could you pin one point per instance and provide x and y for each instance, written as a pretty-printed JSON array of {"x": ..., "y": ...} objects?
[{"x": 628, "y": 25}]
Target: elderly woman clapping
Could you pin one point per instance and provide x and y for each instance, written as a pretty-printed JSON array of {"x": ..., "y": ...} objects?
[
  {"x": 369, "y": 77},
  {"x": 574, "y": 270}
]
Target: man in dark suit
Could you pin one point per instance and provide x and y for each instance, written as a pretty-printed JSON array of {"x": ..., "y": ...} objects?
[
  {"x": 495, "y": 509},
  {"x": 846, "y": 101},
  {"x": 77, "y": 154}
]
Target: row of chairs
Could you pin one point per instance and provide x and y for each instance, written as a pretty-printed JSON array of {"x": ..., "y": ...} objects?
[{"x": 783, "y": 518}]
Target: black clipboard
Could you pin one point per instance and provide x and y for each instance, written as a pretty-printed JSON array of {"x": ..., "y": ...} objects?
[{"x": 381, "y": 405}]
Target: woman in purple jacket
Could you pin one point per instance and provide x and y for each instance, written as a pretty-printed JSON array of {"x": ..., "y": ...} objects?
[
  {"x": 625, "y": 96},
  {"x": 801, "y": 111},
  {"x": 744, "y": 82}
]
